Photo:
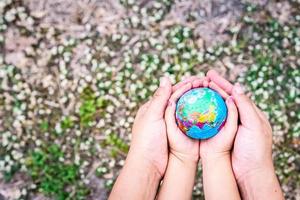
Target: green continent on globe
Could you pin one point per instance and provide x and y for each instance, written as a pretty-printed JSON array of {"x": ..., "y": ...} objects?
[{"x": 201, "y": 113}]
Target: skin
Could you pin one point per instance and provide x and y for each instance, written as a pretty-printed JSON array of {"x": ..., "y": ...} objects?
[
  {"x": 147, "y": 159},
  {"x": 183, "y": 153},
  {"x": 252, "y": 153},
  {"x": 216, "y": 162},
  {"x": 148, "y": 156}
]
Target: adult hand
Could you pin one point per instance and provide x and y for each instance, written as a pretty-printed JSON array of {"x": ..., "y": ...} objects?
[
  {"x": 253, "y": 143},
  {"x": 149, "y": 137},
  {"x": 148, "y": 155},
  {"x": 221, "y": 144},
  {"x": 252, "y": 153}
]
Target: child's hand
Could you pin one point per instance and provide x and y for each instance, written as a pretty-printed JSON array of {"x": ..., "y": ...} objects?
[
  {"x": 149, "y": 137},
  {"x": 215, "y": 156},
  {"x": 253, "y": 143},
  {"x": 221, "y": 144},
  {"x": 184, "y": 152},
  {"x": 180, "y": 145},
  {"x": 252, "y": 153}
]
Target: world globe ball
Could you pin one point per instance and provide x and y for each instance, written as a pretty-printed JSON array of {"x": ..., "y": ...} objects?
[{"x": 201, "y": 113}]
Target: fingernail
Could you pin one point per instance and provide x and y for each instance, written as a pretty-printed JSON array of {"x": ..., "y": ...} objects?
[
  {"x": 229, "y": 99},
  {"x": 163, "y": 81},
  {"x": 238, "y": 88}
]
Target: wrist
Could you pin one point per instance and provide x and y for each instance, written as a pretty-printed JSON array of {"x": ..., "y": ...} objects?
[
  {"x": 185, "y": 159},
  {"x": 139, "y": 162},
  {"x": 212, "y": 157},
  {"x": 266, "y": 170},
  {"x": 260, "y": 183},
  {"x": 180, "y": 174},
  {"x": 216, "y": 169},
  {"x": 139, "y": 173},
  {"x": 213, "y": 162},
  {"x": 251, "y": 172}
]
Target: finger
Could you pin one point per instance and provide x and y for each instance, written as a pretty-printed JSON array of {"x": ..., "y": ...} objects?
[
  {"x": 206, "y": 82},
  {"x": 232, "y": 117},
  {"x": 179, "y": 84},
  {"x": 215, "y": 87},
  {"x": 170, "y": 111},
  {"x": 263, "y": 116},
  {"x": 220, "y": 81},
  {"x": 180, "y": 91},
  {"x": 248, "y": 115},
  {"x": 143, "y": 109},
  {"x": 199, "y": 82},
  {"x": 170, "y": 117},
  {"x": 160, "y": 98}
]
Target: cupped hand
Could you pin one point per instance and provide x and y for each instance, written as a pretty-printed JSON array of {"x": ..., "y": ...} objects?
[
  {"x": 149, "y": 137},
  {"x": 253, "y": 143},
  {"x": 221, "y": 144},
  {"x": 180, "y": 145},
  {"x": 149, "y": 132}
]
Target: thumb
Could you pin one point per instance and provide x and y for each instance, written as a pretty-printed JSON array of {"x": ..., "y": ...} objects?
[
  {"x": 160, "y": 99},
  {"x": 248, "y": 116},
  {"x": 232, "y": 118}
]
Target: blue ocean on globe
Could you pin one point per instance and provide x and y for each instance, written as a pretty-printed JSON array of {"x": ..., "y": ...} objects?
[{"x": 201, "y": 113}]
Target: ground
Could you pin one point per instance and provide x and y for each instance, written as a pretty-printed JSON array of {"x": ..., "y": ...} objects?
[{"x": 73, "y": 74}]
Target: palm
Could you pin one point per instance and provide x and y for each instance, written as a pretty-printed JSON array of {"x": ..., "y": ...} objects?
[
  {"x": 160, "y": 150},
  {"x": 155, "y": 133},
  {"x": 223, "y": 141},
  {"x": 244, "y": 149},
  {"x": 253, "y": 142},
  {"x": 247, "y": 152},
  {"x": 218, "y": 144},
  {"x": 180, "y": 143}
]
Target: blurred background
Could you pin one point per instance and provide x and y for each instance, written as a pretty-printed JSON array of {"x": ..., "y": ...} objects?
[{"x": 74, "y": 72}]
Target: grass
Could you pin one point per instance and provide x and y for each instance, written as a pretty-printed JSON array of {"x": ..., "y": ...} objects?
[{"x": 55, "y": 130}]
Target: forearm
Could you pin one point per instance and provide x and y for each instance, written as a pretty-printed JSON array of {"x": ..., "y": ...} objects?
[
  {"x": 137, "y": 180},
  {"x": 261, "y": 183},
  {"x": 179, "y": 179},
  {"x": 218, "y": 178}
]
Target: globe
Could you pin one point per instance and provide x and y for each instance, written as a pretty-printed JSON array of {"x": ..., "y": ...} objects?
[{"x": 201, "y": 113}]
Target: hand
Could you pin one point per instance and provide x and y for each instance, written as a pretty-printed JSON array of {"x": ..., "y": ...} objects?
[
  {"x": 252, "y": 152},
  {"x": 183, "y": 151},
  {"x": 182, "y": 147},
  {"x": 147, "y": 159},
  {"x": 149, "y": 138},
  {"x": 253, "y": 143},
  {"x": 221, "y": 144},
  {"x": 215, "y": 156}
]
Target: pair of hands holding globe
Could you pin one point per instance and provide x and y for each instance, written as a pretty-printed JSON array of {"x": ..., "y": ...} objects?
[
  {"x": 246, "y": 136},
  {"x": 252, "y": 145}
]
